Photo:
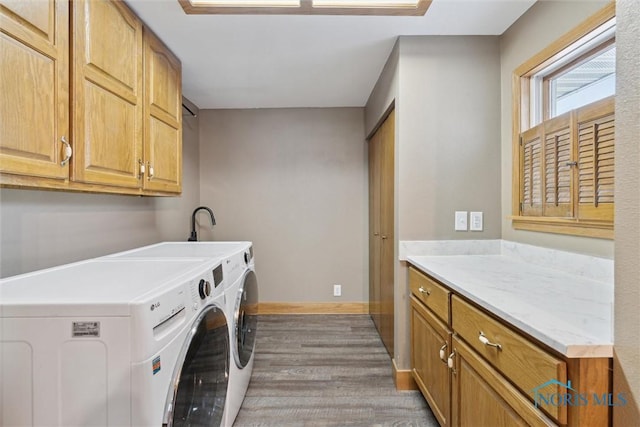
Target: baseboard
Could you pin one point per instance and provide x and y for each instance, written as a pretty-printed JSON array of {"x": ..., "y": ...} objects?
[
  {"x": 403, "y": 379},
  {"x": 313, "y": 308}
]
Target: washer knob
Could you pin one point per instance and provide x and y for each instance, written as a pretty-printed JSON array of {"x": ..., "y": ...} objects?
[
  {"x": 247, "y": 258},
  {"x": 204, "y": 288}
]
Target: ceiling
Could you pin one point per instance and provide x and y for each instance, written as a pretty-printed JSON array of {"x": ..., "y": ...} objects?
[{"x": 260, "y": 61}]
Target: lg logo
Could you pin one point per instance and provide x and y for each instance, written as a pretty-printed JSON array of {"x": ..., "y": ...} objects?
[{"x": 155, "y": 305}]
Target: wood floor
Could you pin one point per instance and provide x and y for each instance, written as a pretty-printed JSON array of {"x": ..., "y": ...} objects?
[{"x": 325, "y": 370}]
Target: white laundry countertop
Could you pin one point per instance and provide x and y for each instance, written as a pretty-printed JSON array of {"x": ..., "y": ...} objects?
[{"x": 571, "y": 313}]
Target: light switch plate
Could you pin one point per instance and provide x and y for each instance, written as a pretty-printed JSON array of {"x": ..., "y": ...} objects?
[
  {"x": 476, "y": 223},
  {"x": 461, "y": 221}
]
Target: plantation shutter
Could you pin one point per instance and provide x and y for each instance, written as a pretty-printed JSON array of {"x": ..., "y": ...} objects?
[
  {"x": 596, "y": 149},
  {"x": 531, "y": 171},
  {"x": 557, "y": 167}
]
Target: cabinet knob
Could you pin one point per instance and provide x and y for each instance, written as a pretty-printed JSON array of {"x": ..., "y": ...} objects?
[
  {"x": 376, "y": 234},
  {"x": 424, "y": 291},
  {"x": 484, "y": 340},
  {"x": 384, "y": 237}
]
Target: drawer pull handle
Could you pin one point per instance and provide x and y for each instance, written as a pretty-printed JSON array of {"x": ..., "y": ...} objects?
[
  {"x": 450, "y": 362},
  {"x": 443, "y": 355},
  {"x": 484, "y": 340},
  {"x": 424, "y": 291}
]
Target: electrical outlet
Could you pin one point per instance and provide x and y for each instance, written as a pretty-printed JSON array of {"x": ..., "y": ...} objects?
[
  {"x": 461, "y": 221},
  {"x": 337, "y": 290}
]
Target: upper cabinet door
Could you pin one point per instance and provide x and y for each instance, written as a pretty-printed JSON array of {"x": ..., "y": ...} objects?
[
  {"x": 34, "y": 83},
  {"x": 108, "y": 94},
  {"x": 162, "y": 117}
]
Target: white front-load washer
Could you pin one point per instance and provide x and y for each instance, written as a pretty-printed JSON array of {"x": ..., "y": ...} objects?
[
  {"x": 114, "y": 342},
  {"x": 241, "y": 291}
]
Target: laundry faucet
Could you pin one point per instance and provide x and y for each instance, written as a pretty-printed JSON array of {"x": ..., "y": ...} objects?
[{"x": 194, "y": 235}]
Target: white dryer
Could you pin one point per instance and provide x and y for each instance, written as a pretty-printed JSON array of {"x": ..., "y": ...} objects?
[
  {"x": 241, "y": 290},
  {"x": 242, "y": 304},
  {"x": 114, "y": 342}
]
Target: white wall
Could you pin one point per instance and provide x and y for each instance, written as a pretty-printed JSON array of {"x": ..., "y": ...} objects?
[
  {"x": 627, "y": 225},
  {"x": 293, "y": 181},
  {"x": 541, "y": 25},
  {"x": 40, "y": 229}
]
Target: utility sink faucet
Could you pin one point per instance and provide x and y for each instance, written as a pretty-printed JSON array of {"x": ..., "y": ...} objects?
[{"x": 194, "y": 235}]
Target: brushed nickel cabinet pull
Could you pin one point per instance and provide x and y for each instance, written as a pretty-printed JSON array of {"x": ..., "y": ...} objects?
[
  {"x": 443, "y": 354},
  {"x": 484, "y": 340},
  {"x": 450, "y": 363},
  {"x": 68, "y": 151},
  {"x": 142, "y": 169}
]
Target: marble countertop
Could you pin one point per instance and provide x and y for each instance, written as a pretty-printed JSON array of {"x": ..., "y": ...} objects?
[{"x": 569, "y": 312}]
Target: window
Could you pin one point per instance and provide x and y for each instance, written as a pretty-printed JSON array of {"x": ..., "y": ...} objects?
[{"x": 564, "y": 133}]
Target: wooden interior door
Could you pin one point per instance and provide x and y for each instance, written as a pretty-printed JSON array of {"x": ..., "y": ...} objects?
[
  {"x": 381, "y": 229},
  {"x": 387, "y": 233},
  {"x": 374, "y": 229},
  {"x": 34, "y": 83},
  {"x": 162, "y": 117},
  {"x": 107, "y": 96}
]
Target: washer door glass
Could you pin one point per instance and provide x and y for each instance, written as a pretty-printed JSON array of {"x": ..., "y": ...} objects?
[
  {"x": 246, "y": 317},
  {"x": 201, "y": 387}
]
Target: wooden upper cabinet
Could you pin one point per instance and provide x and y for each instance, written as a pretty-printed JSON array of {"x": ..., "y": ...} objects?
[
  {"x": 108, "y": 94},
  {"x": 162, "y": 117},
  {"x": 34, "y": 106}
]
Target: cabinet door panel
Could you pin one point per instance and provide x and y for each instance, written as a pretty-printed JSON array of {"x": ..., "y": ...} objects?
[
  {"x": 162, "y": 117},
  {"x": 164, "y": 156},
  {"x": 112, "y": 29},
  {"x": 108, "y": 98},
  {"x": 34, "y": 85},
  {"x": 109, "y": 127},
  {"x": 428, "y": 337},
  {"x": 483, "y": 397}
]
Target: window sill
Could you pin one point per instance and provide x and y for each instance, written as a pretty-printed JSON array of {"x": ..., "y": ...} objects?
[{"x": 598, "y": 229}]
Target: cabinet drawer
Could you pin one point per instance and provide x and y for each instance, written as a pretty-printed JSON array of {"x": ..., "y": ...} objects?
[
  {"x": 522, "y": 362},
  {"x": 433, "y": 295}
]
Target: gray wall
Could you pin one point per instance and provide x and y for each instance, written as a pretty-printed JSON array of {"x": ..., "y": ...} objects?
[
  {"x": 446, "y": 92},
  {"x": 627, "y": 226},
  {"x": 541, "y": 25},
  {"x": 294, "y": 181},
  {"x": 40, "y": 229},
  {"x": 448, "y": 147}
]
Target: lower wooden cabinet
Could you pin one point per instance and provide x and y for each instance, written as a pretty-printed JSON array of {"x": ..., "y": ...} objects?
[
  {"x": 431, "y": 346},
  {"x": 476, "y": 370},
  {"x": 482, "y": 397}
]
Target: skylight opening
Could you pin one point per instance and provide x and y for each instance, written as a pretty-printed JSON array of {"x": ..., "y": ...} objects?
[
  {"x": 247, "y": 3},
  {"x": 307, "y": 7}
]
